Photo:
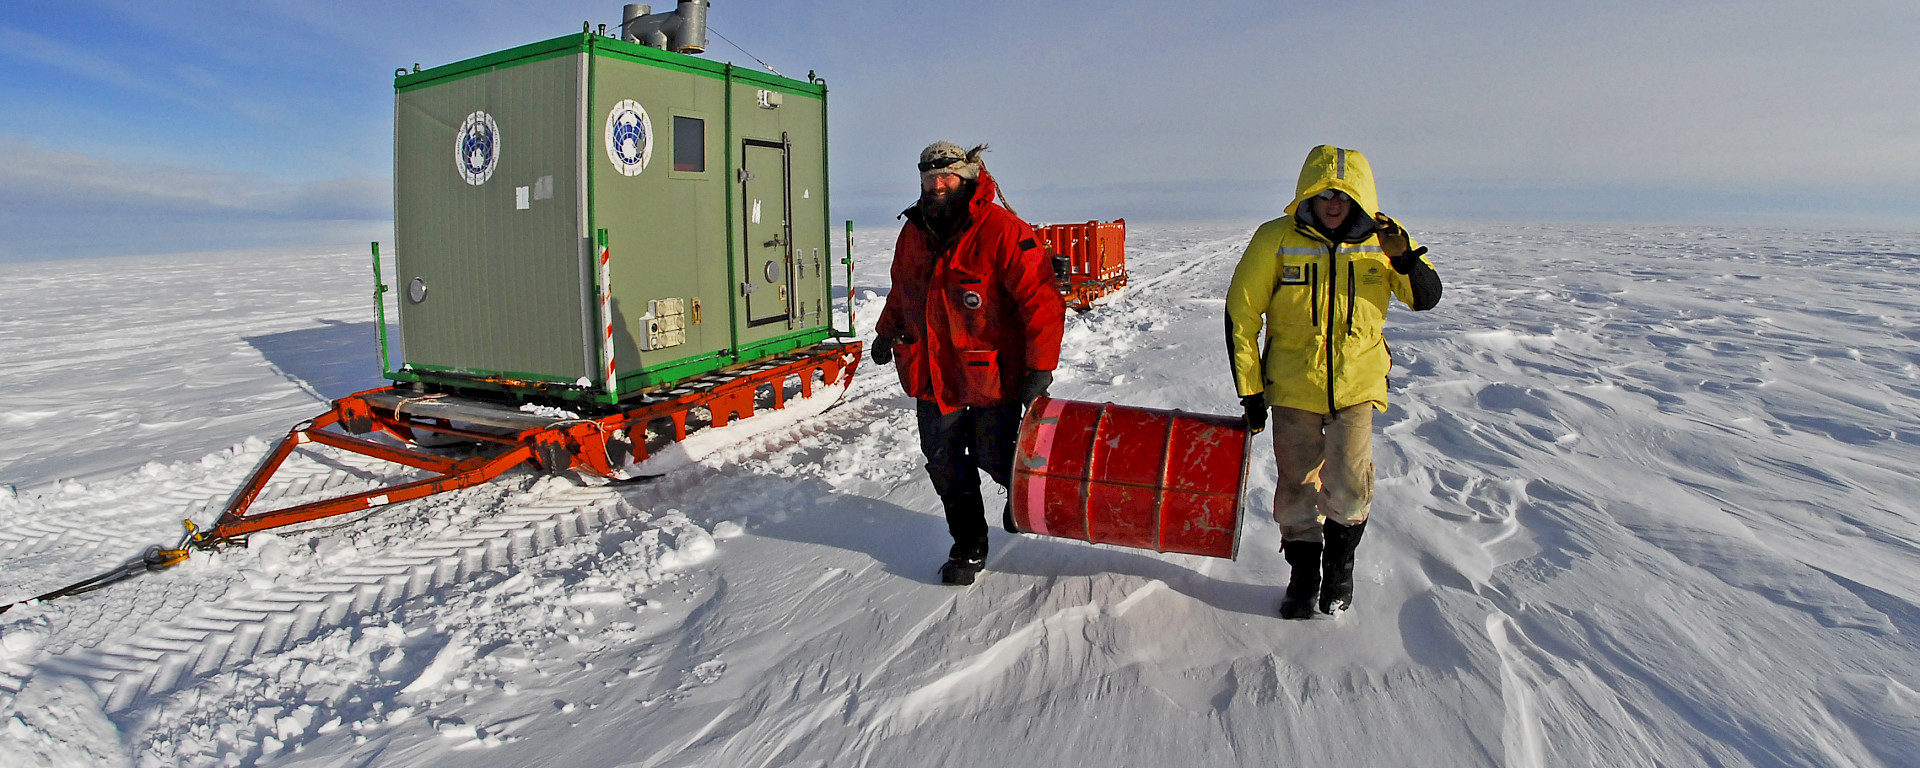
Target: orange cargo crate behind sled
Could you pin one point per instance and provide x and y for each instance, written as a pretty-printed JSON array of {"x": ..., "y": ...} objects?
[
  {"x": 1095, "y": 254},
  {"x": 1168, "y": 481}
]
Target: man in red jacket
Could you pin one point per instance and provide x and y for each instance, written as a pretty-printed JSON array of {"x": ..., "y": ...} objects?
[{"x": 975, "y": 323}]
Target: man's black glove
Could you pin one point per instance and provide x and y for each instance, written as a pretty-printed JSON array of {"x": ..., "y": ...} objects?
[
  {"x": 883, "y": 347},
  {"x": 1409, "y": 261},
  {"x": 1256, "y": 407},
  {"x": 1394, "y": 241},
  {"x": 1035, "y": 385}
]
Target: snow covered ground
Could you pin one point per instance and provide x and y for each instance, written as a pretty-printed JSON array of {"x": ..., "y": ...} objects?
[{"x": 1646, "y": 497}]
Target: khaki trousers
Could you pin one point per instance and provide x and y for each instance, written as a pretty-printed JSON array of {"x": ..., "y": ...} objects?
[{"x": 1326, "y": 469}]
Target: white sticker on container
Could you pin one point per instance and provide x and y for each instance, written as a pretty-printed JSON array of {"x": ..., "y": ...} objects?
[
  {"x": 522, "y": 198},
  {"x": 476, "y": 148},
  {"x": 629, "y": 137},
  {"x": 756, "y": 211}
]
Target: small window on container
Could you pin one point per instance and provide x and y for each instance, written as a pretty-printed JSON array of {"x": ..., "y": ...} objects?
[{"x": 689, "y": 144}]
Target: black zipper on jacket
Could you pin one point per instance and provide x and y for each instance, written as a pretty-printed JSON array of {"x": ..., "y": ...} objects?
[
  {"x": 1333, "y": 273},
  {"x": 1314, "y": 280},
  {"x": 1349, "y": 297}
]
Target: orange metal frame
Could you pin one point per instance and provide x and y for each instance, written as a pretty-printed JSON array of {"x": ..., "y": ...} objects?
[
  {"x": 1097, "y": 258},
  {"x": 599, "y": 445}
]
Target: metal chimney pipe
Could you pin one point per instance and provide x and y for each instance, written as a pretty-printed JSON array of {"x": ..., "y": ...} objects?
[
  {"x": 630, "y": 13},
  {"x": 690, "y": 36},
  {"x": 682, "y": 31}
]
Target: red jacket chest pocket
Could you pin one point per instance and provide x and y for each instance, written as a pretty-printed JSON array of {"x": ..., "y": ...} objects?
[{"x": 973, "y": 305}]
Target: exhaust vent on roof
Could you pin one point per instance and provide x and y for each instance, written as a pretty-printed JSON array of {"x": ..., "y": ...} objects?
[{"x": 682, "y": 31}]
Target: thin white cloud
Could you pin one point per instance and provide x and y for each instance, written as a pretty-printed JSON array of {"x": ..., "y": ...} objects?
[
  {"x": 35, "y": 176},
  {"x": 79, "y": 61},
  {"x": 56, "y": 204}
]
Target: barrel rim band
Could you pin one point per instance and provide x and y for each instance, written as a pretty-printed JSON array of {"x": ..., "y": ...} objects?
[{"x": 1046, "y": 427}]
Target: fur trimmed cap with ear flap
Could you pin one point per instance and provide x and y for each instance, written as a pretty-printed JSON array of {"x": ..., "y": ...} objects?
[{"x": 947, "y": 157}]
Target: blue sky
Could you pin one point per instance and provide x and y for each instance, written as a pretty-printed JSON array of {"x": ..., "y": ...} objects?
[{"x": 137, "y": 127}]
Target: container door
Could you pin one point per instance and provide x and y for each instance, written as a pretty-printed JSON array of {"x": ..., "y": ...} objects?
[{"x": 766, "y": 282}]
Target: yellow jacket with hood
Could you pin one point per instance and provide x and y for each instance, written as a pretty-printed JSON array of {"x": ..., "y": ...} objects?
[{"x": 1324, "y": 302}]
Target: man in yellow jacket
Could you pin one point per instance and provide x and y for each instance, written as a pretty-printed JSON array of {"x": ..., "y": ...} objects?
[{"x": 1320, "y": 277}]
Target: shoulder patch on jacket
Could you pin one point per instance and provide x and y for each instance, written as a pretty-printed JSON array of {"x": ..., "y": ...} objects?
[{"x": 1028, "y": 244}]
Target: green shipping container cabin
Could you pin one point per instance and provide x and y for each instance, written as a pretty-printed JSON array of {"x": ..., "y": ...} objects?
[{"x": 707, "y": 181}]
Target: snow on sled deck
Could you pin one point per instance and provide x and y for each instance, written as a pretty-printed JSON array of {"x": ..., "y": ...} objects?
[{"x": 555, "y": 441}]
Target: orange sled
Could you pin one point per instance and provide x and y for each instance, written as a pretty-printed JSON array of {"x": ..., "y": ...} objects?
[
  {"x": 599, "y": 444},
  {"x": 1090, "y": 260}
]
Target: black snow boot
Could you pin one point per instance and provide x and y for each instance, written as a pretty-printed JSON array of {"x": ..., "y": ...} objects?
[
  {"x": 1336, "y": 592},
  {"x": 1304, "y": 558},
  {"x": 964, "y": 562},
  {"x": 960, "y": 571},
  {"x": 966, "y": 520}
]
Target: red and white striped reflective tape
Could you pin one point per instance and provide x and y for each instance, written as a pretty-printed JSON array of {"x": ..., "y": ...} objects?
[
  {"x": 606, "y": 318},
  {"x": 1049, "y": 427}
]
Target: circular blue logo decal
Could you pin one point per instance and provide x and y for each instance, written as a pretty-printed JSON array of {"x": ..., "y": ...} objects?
[
  {"x": 629, "y": 137},
  {"x": 476, "y": 149}
]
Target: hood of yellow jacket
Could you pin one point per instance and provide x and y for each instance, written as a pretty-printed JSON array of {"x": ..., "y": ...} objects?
[{"x": 1346, "y": 170}]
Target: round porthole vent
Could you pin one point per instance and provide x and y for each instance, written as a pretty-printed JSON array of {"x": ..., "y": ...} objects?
[{"x": 417, "y": 290}]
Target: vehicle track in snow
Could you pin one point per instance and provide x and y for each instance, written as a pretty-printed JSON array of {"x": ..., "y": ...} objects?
[
  {"x": 169, "y": 649},
  {"x": 140, "y": 640}
]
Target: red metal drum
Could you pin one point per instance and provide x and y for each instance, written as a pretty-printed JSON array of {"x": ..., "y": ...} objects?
[{"x": 1168, "y": 481}]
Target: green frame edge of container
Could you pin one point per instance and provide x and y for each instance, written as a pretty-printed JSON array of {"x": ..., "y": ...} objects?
[
  {"x": 630, "y": 384},
  {"x": 590, "y": 43}
]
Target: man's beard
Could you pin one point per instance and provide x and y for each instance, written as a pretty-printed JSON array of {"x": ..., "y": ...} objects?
[{"x": 936, "y": 206}]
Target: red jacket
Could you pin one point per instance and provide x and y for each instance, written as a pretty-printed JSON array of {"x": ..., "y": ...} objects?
[{"x": 982, "y": 312}]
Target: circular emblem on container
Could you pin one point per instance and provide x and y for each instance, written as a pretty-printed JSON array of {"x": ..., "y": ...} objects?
[
  {"x": 971, "y": 299},
  {"x": 476, "y": 148},
  {"x": 629, "y": 137}
]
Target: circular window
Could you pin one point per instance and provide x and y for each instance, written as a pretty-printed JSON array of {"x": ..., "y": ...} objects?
[{"x": 417, "y": 290}]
